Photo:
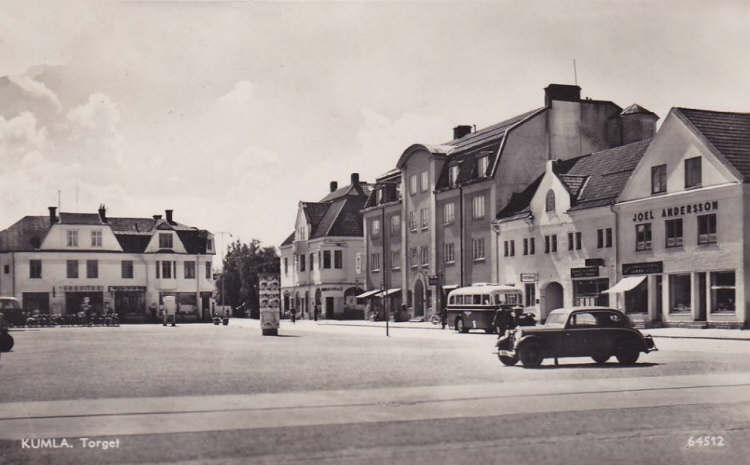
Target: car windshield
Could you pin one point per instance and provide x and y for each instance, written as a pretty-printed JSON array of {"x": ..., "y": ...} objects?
[
  {"x": 556, "y": 319},
  {"x": 8, "y": 304}
]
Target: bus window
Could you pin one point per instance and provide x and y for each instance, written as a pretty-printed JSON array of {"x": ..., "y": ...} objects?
[
  {"x": 485, "y": 300},
  {"x": 497, "y": 299},
  {"x": 477, "y": 299},
  {"x": 451, "y": 300},
  {"x": 459, "y": 300}
]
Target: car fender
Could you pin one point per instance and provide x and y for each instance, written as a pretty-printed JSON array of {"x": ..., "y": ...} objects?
[
  {"x": 527, "y": 339},
  {"x": 630, "y": 338}
]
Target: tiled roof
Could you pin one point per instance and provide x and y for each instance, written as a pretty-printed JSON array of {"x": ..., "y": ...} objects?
[
  {"x": 20, "y": 235},
  {"x": 131, "y": 224},
  {"x": 314, "y": 213},
  {"x": 728, "y": 132},
  {"x": 467, "y": 150},
  {"x": 519, "y": 202},
  {"x": 573, "y": 183},
  {"x": 80, "y": 218},
  {"x": 348, "y": 221},
  {"x": 362, "y": 188}
]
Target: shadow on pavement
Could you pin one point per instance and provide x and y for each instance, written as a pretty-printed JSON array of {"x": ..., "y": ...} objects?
[
  {"x": 594, "y": 365},
  {"x": 287, "y": 335}
]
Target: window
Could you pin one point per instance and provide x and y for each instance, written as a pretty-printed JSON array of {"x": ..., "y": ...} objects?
[
  {"x": 72, "y": 236},
  {"x": 302, "y": 262},
  {"x": 723, "y": 291},
  {"x": 449, "y": 213},
  {"x": 375, "y": 262},
  {"x": 165, "y": 240},
  {"x": 425, "y": 181},
  {"x": 96, "y": 238},
  {"x": 424, "y": 251},
  {"x": 599, "y": 238},
  {"x": 550, "y": 243},
  {"x": 549, "y": 201},
  {"x": 189, "y": 270},
  {"x": 424, "y": 216},
  {"x": 210, "y": 244},
  {"x": 452, "y": 175},
  {"x": 286, "y": 265},
  {"x": 166, "y": 270},
  {"x": 412, "y": 221},
  {"x": 449, "y": 254},
  {"x": 158, "y": 269},
  {"x": 396, "y": 260},
  {"x": 396, "y": 224},
  {"x": 658, "y": 179},
  {"x": 531, "y": 246},
  {"x": 693, "y": 172},
  {"x": 379, "y": 195},
  {"x": 72, "y": 268},
  {"x": 208, "y": 269},
  {"x": 477, "y": 246},
  {"x": 327, "y": 259},
  {"x": 506, "y": 249},
  {"x": 608, "y": 237},
  {"x": 126, "y": 269},
  {"x": 375, "y": 227},
  {"x": 92, "y": 269},
  {"x": 525, "y": 246},
  {"x": 6, "y": 269},
  {"x": 643, "y": 236},
  {"x": 707, "y": 229},
  {"x": 478, "y": 206},
  {"x": 673, "y": 232},
  {"x": 414, "y": 258},
  {"x": 546, "y": 244},
  {"x": 312, "y": 261},
  {"x": 530, "y": 294},
  {"x": 338, "y": 259},
  {"x": 35, "y": 269},
  {"x": 482, "y": 165},
  {"x": 578, "y": 320},
  {"x": 512, "y": 248},
  {"x": 570, "y": 241},
  {"x": 579, "y": 240},
  {"x": 679, "y": 293},
  {"x": 413, "y": 184}
]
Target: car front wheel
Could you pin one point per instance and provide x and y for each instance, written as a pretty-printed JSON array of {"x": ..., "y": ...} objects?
[
  {"x": 508, "y": 361},
  {"x": 531, "y": 355},
  {"x": 627, "y": 354}
]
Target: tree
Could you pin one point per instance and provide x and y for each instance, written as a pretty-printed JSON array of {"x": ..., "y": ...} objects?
[{"x": 242, "y": 264}]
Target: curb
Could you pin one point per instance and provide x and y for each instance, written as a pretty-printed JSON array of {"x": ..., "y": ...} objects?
[
  {"x": 713, "y": 338},
  {"x": 383, "y": 326}
]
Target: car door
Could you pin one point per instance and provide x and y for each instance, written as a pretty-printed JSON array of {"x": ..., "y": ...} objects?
[{"x": 579, "y": 332}]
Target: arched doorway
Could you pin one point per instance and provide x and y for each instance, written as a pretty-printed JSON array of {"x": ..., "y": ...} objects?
[
  {"x": 553, "y": 298},
  {"x": 418, "y": 298}
]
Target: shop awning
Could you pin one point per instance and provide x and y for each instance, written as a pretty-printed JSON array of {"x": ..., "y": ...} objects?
[
  {"x": 367, "y": 294},
  {"x": 390, "y": 291},
  {"x": 450, "y": 287},
  {"x": 625, "y": 284}
]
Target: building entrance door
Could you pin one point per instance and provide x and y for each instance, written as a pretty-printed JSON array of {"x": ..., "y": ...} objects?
[
  {"x": 418, "y": 298},
  {"x": 553, "y": 298},
  {"x": 701, "y": 314},
  {"x": 329, "y": 307}
]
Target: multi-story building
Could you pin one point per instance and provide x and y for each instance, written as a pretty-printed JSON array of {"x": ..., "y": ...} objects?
[
  {"x": 556, "y": 239},
  {"x": 452, "y": 191},
  {"x": 322, "y": 260},
  {"x": 52, "y": 263},
  {"x": 683, "y": 225}
]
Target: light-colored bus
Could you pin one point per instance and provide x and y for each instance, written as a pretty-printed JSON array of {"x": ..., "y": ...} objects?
[{"x": 474, "y": 307}]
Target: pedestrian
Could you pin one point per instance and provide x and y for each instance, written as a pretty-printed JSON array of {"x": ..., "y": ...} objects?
[
  {"x": 501, "y": 321},
  {"x": 444, "y": 317},
  {"x": 293, "y": 315},
  {"x": 315, "y": 314},
  {"x": 152, "y": 307}
]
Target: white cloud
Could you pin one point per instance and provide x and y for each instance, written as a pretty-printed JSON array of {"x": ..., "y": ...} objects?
[
  {"x": 21, "y": 135},
  {"x": 36, "y": 89}
]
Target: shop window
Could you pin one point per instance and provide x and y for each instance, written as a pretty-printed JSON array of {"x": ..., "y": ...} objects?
[
  {"x": 126, "y": 269},
  {"x": 643, "y": 236},
  {"x": 338, "y": 259},
  {"x": 707, "y": 229},
  {"x": 723, "y": 291},
  {"x": 35, "y": 269},
  {"x": 673, "y": 230},
  {"x": 530, "y": 294},
  {"x": 679, "y": 293},
  {"x": 693, "y": 175},
  {"x": 658, "y": 179},
  {"x": 589, "y": 292}
]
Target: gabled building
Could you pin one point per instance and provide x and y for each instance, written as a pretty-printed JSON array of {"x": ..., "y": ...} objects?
[
  {"x": 53, "y": 262},
  {"x": 452, "y": 191},
  {"x": 322, "y": 260},
  {"x": 683, "y": 223},
  {"x": 556, "y": 238}
]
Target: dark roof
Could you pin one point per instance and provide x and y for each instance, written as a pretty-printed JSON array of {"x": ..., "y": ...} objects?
[
  {"x": 133, "y": 243},
  {"x": 636, "y": 109},
  {"x": 131, "y": 224},
  {"x": 314, "y": 213},
  {"x": 468, "y": 149},
  {"x": 728, "y": 132},
  {"x": 289, "y": 240},
  {"x": 593, "y": 180},
  {"x": 80, "y": 218},
  {"x": 20, "y": 235},
  {"x": 194, "y": 240},
  {"x": 360, "y": 189}
]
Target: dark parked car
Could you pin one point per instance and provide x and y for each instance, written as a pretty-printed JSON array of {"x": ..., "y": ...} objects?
[{"x": 596, "y": 332}]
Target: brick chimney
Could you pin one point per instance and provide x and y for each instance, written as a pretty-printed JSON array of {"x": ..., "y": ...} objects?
[
  {"x": 52, "y": 215},
  {"x": 564, "y": 92},
  {"x": 168, "y": 215},
  {"x": 334, "y": 186},
  {"x": 461, "y": 130},
  {"x": 157, "y": 217},
  {"x": 103, "y": 213},
  {"x": 355, "y": 179}
]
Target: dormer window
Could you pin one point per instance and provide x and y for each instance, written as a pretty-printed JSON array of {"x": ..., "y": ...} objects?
[
  {"x": 72, "y": 236},
  {"x": 210, "y": 244},
  {"x": 482, "y": 165},
  {"x": 549, "y": 203},
  {"x": 379, "y": 195},
  {"x": 96, "y": 238},
  {"x": 452, "y": 175},
  {"x": 165, "y": 240}
]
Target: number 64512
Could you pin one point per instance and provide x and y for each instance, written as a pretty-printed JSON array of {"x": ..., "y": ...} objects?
[{"x": 706, "y": 441}]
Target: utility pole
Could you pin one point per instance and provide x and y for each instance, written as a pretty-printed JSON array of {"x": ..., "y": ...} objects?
[{"x": 223, "y": 234}]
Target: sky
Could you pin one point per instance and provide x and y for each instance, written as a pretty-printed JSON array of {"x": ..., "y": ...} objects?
[{"x": 230, "y": 113}]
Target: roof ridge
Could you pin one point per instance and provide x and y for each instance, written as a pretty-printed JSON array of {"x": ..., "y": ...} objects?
[{"x": 702, "y": 110}]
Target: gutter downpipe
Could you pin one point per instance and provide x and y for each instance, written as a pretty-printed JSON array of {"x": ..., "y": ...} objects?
[
  {"x": 13, "y": 275},
  {"x": 461, "y": 229},
  {"x": 385, "y": 270}
]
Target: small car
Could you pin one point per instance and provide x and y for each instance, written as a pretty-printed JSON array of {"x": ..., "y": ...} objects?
[{"x": 596, "y": 332}]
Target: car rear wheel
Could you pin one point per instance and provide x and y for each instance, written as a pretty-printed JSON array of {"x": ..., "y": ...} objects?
[
  {"x": 600, "y": 357},
  {"x": 627, "y": 354},
  {"x": 460, "y": 327},
  {"x": 6, "y": 342},
  {"x": 508, "y": 361},
  {"x": 531, "y": 355}
]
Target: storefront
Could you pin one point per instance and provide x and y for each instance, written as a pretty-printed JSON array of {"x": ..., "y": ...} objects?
[
  {"x": 588, "y": 287},
  {"x": 75, "y": 295},
  {"x": 36, "y": 301},
  {"x": 130, "y": 303}
]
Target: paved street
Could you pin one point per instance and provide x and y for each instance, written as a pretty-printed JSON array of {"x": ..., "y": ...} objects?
[{"x": 347, "y": 394}]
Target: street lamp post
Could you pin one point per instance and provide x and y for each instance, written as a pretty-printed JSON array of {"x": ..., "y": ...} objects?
[{"x": 223, "y": 272}]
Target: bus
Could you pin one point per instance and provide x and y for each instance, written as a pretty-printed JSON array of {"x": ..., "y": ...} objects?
[{"x": 474, "y": 307}]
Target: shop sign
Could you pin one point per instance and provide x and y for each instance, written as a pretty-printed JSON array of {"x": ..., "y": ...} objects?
[
  {"x": 529, "y": 277},
  {"x": 679, "y": 210},
  {"x": 432, "y": 280},
  {"x": 83, "y": 288},
  {"x": 594, "y": 262},
  {"x": 127, "y": 288},
  {"x": 324, "y": 289},
  {"x": 358, "y": 263},
  {"x": 642, "y": 268},
  {"x": 584, "y": 272}
]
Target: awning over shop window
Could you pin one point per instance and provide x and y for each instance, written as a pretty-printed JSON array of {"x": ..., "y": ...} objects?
[
  {"x": 450, "y": 287},
  {"x": 390, "y": 291},
  {"x": 625, "y": 284},
  {"x": 367, "y": 294}
]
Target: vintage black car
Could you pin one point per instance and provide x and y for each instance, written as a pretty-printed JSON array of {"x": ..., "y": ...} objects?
[{"x": 596, "y": 332}]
